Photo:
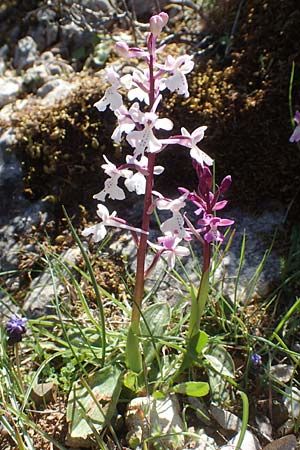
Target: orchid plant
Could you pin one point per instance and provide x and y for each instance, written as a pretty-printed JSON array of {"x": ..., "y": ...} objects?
[{"x": 140, "y": 124}]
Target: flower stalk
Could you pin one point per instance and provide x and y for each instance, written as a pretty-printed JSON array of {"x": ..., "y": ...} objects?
[{"x": 140, "y": 124}]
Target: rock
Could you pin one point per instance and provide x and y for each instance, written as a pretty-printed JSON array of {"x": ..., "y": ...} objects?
[
  {"x": 282, "y": 372},
  {"x": 264, "y": 425},
  {"x": 9, "y": 89},
  {"x": 285, "y": 443},
  {"x": 43, "y": 289},
  {"x": 226, "y": 419},
  {"x": 54, "y": 91},
  {"x": 4, "y": 51},
  {"x": 256, "y": 229},
  {"x": 44, "y": 393},
  {"x": 9, "y": 111},
  {"x": 95, "y": 5},
  {"x": 72, "y": 37},
  {"x": 45, "y": 32},
  {"x": 292, "y": 402},
  {"x": 10, "y": 175},
  {"x": 204, "y": 442},
  {"x": 142, "y": 8},
  {"x": 7, "y": 308},
  {"x": 25, "y": 53},
  {"x": 279, "y": 412},
  {"x": 250, "y": 442},
  {"x": 3, "y": 57},
  {"x": 55, "y": 65},
  {"x": 40, "y": 300},
  {"x": 146, "y": 416},
  {"x": 35, "y": 77}
]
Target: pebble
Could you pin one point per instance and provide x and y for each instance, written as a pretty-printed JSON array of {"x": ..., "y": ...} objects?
[{"x": 285, "y": 443}]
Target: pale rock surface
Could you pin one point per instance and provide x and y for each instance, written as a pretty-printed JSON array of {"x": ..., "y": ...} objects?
[
  {"x": 54, "y": 91},
  {"x": 25, "y": 53},
  {"x": 226, "y": 419},
  {"x": 285, "y": 443},
  {"x": 250, "y": 442},
  {"x": 161, "y": 416},
  {"x": 44, "y": 289},
  {"x": 292, "y": 402},
  {"x": 9, "y": 89}
]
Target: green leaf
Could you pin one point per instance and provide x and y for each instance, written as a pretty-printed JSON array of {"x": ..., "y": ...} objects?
[
  {"x": 194, "y": 350},
  {"x": 156, "y": 319},
  {"x": 192, "y": 388},
  {"x": 220, "y": 360},
  {"x": 158, "y": 395},
  {"x": 92, "y": 403},
  {"x": 221, "y": 368},
  {"x": 130, "y": 381}
]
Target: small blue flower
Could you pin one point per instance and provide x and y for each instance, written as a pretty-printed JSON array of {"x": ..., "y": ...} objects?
[
  {"x": 15, "y": 329},
  {"x": 256, "y": 360}
]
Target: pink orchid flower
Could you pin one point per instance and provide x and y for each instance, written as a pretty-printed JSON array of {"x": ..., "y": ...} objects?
[
  {"x": 191, "y": 142},
  {"x": 211, "y": 224},
  {"x": 111, "y": 187},
  {"x": 145, "y": 140},
  {"x": 179, "y": 67},
  {"x": 107, "y": 220},
  {"x": 169, "y": 248}
]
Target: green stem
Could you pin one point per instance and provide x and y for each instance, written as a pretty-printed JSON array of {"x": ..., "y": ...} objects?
[
  {"x": 18, "y": 367},
  {"x": 198, "y": 304}
]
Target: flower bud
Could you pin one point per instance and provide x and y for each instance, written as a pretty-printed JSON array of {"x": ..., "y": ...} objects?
[
  {"x": 225, "y": 184},
  {"x": 124, "y": 51},
  {"x": 157, "y": 22}
]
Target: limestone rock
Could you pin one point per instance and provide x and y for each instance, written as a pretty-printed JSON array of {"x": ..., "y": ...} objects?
[
  {"x": 226, "y": 419},
  {"x": 54, "y": 91},
  {"x": 9, "y": 89},
  {"x": 147, "y": 416},
  {"x": 250, "y": 442},
  {"x": 44, "y": 393},
  {"x": 25, "y": 53},
  {"x": 285, "y": 443}
]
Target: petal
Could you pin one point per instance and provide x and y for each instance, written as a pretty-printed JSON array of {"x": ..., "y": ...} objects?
[
  {"x": 295, "y": 137},
  {"x": 100, "y": 196},
  {"x": 158, "y": 170},
  {"x": 98, "y": 231},
  {"x": 165, "y": 124},
  {"x": 198, "y": 134},
  {"x": 178, "y": 83},
  {"x": 220, "y": 205},
  {"x": 136, "y": 183},
  {"x": 182, "y": 251},
  {"x": 200, "y": 156},
  {"x": 102, "y": 104},
  {"x": 184, "y": 132},
  {"x": 225, "y": 222},
  {"x": 297, "y": 117},
  {"x": 103, "y": 212},
  {"x": 115, "y": 99}
]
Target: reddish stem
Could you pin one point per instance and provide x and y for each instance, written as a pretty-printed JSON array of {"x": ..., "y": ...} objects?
[{"x": 142, "y": 249}]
